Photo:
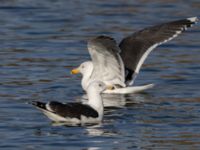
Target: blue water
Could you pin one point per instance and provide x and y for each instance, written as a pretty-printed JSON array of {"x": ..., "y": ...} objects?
[{"x": 41, "y": 41}]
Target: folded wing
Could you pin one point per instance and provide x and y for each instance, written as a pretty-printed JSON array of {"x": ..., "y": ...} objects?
[
  {"x": 72, "y": 110},
  {"x": 69, "y": 110}
]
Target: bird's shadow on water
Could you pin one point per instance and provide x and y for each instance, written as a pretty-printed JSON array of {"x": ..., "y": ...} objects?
[
  {"x": 70, "y": 124},
  {"x": 69, "y": 129}
]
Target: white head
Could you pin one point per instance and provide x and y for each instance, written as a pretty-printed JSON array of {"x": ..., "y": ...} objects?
[{"x": 84, "y": 68}]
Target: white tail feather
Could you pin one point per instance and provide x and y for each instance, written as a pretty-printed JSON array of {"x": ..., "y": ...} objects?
[{"x": 130, "y": 89}]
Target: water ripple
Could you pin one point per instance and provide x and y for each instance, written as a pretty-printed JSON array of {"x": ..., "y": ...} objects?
[{"x": 41, "y": 41}]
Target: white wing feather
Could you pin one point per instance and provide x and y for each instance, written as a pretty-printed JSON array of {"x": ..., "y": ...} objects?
[{"x": 108, "y": 65}]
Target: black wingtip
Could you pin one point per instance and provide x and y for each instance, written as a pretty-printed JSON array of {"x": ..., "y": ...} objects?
[{"x": 38, "y": 104}]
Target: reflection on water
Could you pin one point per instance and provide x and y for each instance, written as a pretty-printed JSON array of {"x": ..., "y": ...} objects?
[
  {"x": 41, "y": 41},
  {"x": 120, "y": 100}
]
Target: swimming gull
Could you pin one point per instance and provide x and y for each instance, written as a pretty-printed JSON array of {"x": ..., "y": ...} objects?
[
  {"x": 118, "y": 65},
  {"x": 76, "y": 113}
]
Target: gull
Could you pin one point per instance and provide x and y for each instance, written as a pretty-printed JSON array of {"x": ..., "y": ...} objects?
[
  {"x": 118, "y": 65},
  {"x": 76, "y": 113}
]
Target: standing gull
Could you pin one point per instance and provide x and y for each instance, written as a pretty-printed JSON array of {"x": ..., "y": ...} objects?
[
  {"x": 118, "y": 65},
  {"x": 77, "y": 113}
]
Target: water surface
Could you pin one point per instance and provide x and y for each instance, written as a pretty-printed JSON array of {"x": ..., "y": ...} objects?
[{"x": 41, "y": 41}]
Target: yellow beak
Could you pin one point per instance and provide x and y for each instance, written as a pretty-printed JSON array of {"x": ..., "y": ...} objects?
[{"x": 75, "y": 71}]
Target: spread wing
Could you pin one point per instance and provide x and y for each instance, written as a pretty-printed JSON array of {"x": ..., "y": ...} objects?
[
  {"x": 136, "y": 47},
  {"x": 108, "y": 66}
]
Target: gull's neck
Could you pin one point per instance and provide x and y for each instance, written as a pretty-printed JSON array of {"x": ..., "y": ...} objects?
[
  {"x": 95, "y": 100},
  {"x": 86, "y": 77}
]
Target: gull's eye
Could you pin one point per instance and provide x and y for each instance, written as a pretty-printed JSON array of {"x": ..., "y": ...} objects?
[
  {"x": 100, "y": 85},
  {"x": 83, "y": 67}
]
